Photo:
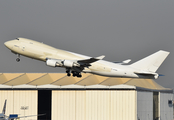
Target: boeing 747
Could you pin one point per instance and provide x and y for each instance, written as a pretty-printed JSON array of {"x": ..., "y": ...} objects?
[{"x": 75, "y": 63}]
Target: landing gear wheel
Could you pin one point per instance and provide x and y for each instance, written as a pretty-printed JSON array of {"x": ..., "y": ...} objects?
[
  {"x": 18, "y": 59},
  {"x": 79, "y": 75},
  {"x": 74, "y": 73},
  {"x": 68, "y": 74}
]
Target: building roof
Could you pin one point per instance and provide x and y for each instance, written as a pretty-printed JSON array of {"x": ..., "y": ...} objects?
[{"x": 61, "y": 80}]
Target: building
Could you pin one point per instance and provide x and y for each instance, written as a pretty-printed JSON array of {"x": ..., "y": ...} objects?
[{"x": 91, "y": 97}]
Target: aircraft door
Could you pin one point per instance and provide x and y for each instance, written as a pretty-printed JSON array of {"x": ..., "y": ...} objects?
[{"x": 23, "y": 48}]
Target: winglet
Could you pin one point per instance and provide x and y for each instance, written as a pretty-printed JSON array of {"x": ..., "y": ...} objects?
[
  {"x": 100, "y": 57},
  {"x": 91, "y": 60},
  {"x": 126, "y": 61}
]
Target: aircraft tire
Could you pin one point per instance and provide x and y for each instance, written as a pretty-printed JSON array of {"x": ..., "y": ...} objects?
[
  {"x": 18, "y": 59},
  {"x": 68, "y": 74}
]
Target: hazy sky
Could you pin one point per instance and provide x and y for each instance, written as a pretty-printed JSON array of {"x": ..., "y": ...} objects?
[{"x": 118, "y": 29}]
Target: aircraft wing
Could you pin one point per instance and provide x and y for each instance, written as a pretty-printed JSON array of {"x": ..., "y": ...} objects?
[
  {"x": 72, "y": 63},
  {"x": 91, "y": 60}
]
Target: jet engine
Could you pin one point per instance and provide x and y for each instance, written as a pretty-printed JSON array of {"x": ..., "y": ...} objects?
[
  {"x": 68, "y": 63},
  {"x": 54, "y": 63},
  {"x": 61, "y": 63}
]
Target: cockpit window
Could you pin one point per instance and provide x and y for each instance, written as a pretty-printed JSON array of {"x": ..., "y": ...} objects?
[{"x": 17, "y": 38}]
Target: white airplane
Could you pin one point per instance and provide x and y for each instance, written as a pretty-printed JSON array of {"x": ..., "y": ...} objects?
[
  {"x": 75, "y": 63},
  {"x": 12, "y": 116}
]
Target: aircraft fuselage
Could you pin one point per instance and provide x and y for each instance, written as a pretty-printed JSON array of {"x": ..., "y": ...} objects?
[{"x": 43, "y": 52}]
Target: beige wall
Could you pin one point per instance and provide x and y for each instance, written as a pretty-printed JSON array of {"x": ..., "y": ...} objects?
[
  {"x": 18, "y": 98},
  {"x": 93, "y": 105}
]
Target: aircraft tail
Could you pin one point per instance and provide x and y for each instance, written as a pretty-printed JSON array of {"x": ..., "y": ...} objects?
[
  {"x": 4, "y": 108},
  {"x": 152, "y": 62}
]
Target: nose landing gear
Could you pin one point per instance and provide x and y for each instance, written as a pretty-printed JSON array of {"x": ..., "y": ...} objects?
[{"x": 18, "y": 59}]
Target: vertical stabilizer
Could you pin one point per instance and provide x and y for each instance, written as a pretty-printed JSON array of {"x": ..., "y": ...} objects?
[
  {"x": 152, "y": 62},
  {"x": 4, "y": 108}
]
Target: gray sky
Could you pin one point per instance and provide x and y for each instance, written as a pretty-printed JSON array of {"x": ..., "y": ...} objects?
[{"x": 119, "y": 29}]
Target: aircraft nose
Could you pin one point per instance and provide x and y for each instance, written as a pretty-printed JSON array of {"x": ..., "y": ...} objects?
[{"x": 9, "y": 44}]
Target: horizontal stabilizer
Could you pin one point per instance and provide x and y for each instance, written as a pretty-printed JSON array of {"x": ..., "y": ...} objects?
[
  {"x": 124, "y": 62},
  {"x": 146, "y": 73}
]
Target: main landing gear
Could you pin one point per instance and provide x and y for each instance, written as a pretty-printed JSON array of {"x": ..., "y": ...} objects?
[
  {"x": 68, "y": 72},
  {"x": 74, "y": 73},
  {"x": 18, "y": 59}
]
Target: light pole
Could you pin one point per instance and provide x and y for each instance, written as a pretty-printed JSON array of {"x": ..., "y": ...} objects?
[{"x": 24, "y": 108}]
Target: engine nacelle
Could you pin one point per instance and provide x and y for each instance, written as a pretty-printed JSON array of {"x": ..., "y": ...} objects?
[
  {"x": 54, "y": 63},
  {"x": 61, "y": 63},
  {"x": 68, "y": 63}
]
